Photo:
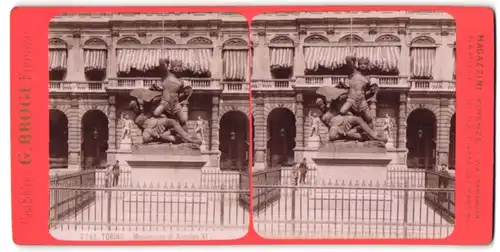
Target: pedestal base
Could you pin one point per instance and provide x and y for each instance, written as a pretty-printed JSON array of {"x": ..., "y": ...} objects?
[
  {"x": 352, "y": 167},
  {"x": 352, "y": 163},
  {"x": 313, "y": 142},
  {"x": 164, "y": 165},
  {"x": 126, "y": 144}
]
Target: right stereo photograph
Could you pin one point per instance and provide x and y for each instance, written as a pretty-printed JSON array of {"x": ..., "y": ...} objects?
[{"x": 353, "y": 124}]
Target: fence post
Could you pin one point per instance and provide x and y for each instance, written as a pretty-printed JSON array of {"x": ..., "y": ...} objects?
[
  {"x": 294, "y": 189},
  {"x": 109, "y": 193},
  {"x": 405, "y": 210},
  {"x": 222, "y": 205},
  {"x": 55, "y": 192}
]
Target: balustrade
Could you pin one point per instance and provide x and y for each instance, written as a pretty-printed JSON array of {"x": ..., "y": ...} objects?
[
  {"x": 433, "y": 86},
  {"x": 322, "y": 80},
  {"x": 78, "y": 86}
]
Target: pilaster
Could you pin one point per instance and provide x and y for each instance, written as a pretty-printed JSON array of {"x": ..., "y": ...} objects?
[
  {"x": 76, "y": 71},
  {"x": 299, "y": 121},
  {"x": 216, "y": 61},
  {"x": 260, "y": 130},
  {"x": 443, "y": 124},
  {"x": 214, "y": 129},
  {"x": 112, "y": 124},
  {"x": 402, "y": 121},
  {"x": 74, "y": 135},
  {"x": 111, "y": 69},
  {"x": 299, "y": 61},
  {"x": 404, "y": 59}
]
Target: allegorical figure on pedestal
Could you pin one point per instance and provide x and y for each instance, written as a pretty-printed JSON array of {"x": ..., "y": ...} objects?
[
  {"x": 158, "y": 110},
  {"x": 199, "y": 130},
  {"x": 127, "y": 126},
  {"x": 387, "y": 128},
  {"x": 314, "y": 138}
]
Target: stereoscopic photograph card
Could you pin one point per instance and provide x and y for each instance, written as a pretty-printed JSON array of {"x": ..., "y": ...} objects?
[{"x": 252, "y": 125}]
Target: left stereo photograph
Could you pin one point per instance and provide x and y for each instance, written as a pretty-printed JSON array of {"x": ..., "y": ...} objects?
[{"x": 149, "y": 126}]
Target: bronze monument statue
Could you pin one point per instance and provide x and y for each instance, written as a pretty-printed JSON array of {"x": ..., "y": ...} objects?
[
  {"x": 158, "y": 111},
  {"x": 345, "y": 109},
  {"x": 359, "y": 89}
]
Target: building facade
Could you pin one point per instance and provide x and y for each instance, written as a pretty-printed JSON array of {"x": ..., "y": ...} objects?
[
  {"x": 96, "y": 59},
  {"x": 412, "y": 56}
]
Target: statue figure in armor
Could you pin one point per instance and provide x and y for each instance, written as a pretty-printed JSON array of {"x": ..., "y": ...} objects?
[
  {"x": 158, "y": 110},
  {"x": 360, "y": 89}
]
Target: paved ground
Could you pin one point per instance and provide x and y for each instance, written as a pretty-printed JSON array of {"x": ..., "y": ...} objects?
[
  {"x": 206, "y": 216},
  {"x": 349, "y": 215}
]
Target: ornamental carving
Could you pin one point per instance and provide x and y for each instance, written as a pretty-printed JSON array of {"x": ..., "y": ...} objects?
[
  {"x": 330, "y": 31},
  {"x": 200, "y": 41},
  {"x": 372, "y": 31},
  {"x": 261, "y": 33},
  {"x": 184, "y": 34},
  {"x": 351, "y": 37},
  {"x": 316, "y": 39},
  {"x": 76, "y": 33},
  {"x": 163, "y": 41},
  {"x": 142, "y": 34},
  {"x": 95, "y": 42},
  {"x": 423, "y": 40},
  {"x": 128, "y": 41},
  {"x": 115, "y": 33},
  {"x": 235, "y": 42},
  {"x": 402, "y": 31},
  {"x": 302, "y": 31},
  {"x": 214, "y": 34},
  {"x": 445, "y": 33},
  {"x": 387, "y": 38},
  {"x": 281, "y": 40},
  {"x": 57, "y": 42}
]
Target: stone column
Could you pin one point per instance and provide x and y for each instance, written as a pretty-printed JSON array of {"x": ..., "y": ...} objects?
[
  {"x": 443, "y": 126},
  {"x": 76, "y": 71},
  {"x": 216, "y": 71},
  {"x": 112, "y": 125},
  {"x": 74, "y": 136},
  {"x": 402, "y": 121},
  {"x": 299, "y": 61},
  {"x": 214, "y": 129},
  {"x": 111, "y": 69},
  {"x": 299, "y": 121},
  {"x": 404, "y": 61},
  {"x": 260, "y": 129}
]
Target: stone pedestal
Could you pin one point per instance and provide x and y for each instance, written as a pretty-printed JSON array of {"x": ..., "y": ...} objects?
[
  {"x": 351, "y": 167},
  {"x": 351, "y": 162},
  {"x": 164, "y": 164},
  {"x": 126, "y": 144},
  {"x": 305, "y": 152},
  {"x": 313, "y": 141}
]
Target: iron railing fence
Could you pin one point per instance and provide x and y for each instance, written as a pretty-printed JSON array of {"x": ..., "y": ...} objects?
[
  {"x": 396, "y": 174},
  {"x": 67, "y": 202},
  {"x": 212, "y": 178},
  {"x": 350, "y": 210},
  {"x": 442, "y": 202},
  {"x": 150, "y": 208}
]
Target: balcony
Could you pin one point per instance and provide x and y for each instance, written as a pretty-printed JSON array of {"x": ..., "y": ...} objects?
[
  {"x": 385, "y": 82},
  {"x": 275, "y": 85},
  {"x": 77, "y": 86},
  {"x": 432, "y": 86},
  {"x": 235, "y": 87}
]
